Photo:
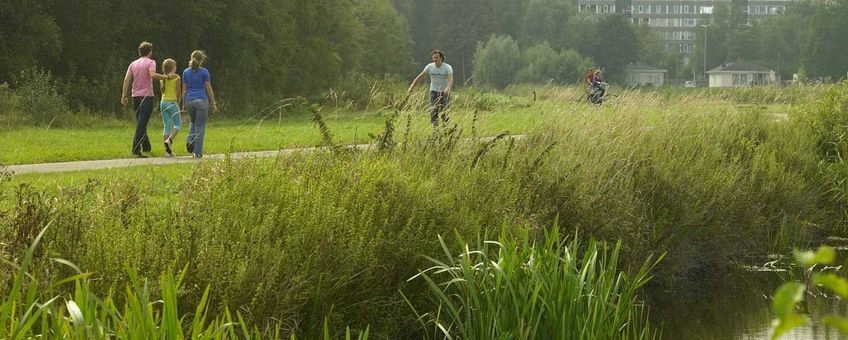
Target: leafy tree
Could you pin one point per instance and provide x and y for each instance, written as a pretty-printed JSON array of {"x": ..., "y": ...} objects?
[
  {"x": 29, "y": 34},
  {"x": 456, "y": 27},
  {"x": 743, "y": 45},
  {"x": 497, "y": 61},
  {"x": 383, "y": 38},
  {"x": 574, "y": 66},
  {"x": 825, "y": 49},
  {"x": 540, "y": 64},
  {"x": 781, "y": 36},
  {"x": 547, "y": 20},
  {"x": 617, "y": 45}
]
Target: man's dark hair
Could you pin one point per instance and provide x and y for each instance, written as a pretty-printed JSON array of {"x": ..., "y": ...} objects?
[
  {"x": 440, "y": 53},
  {"x": 144, "y": 48}
]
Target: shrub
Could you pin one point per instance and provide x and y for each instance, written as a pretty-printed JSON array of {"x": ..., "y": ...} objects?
[
  {"x": 542, "y": 64},
  {"x": 39, "y": 98},
  {"x": 497, "y": 61}
]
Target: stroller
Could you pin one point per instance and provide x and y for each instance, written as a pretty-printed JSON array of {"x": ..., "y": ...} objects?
[{"x": 597, "y": 93}]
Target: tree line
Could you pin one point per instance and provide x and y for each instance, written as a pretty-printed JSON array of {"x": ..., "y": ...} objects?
[{"x": 265, "y": 50}]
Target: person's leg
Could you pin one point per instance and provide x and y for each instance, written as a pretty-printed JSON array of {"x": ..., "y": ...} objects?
[
  {"x": 445, "y": 103},
  {"x": 166, "y": 121},
  {"x": 192, "y": 112},
  {"x": 434, "y": 108},
  {"x": 176, "y": 122},
  {"x": 136, "y": 145},
  {"x": 200, "y": 119},
  {"x": 145, "y": 111},
  {"x": 142, "y": 116},
  {"x": 168, "y": 109}
]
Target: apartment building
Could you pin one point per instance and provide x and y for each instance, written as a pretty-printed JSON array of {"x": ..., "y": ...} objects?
[{"x": 680, "y": 21}]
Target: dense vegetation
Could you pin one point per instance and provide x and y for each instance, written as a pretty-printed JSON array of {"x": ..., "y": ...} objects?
[
  {"x": 293, "y": 241},
  {"x": 263, "y": 51}
]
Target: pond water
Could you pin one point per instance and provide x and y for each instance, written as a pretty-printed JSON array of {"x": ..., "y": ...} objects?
[{"x": 738, "y": 306}]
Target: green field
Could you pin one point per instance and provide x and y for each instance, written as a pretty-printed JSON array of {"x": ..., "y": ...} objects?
[
  {"x": 294, "y": 243},
  {"x": 264, "y": 131}
]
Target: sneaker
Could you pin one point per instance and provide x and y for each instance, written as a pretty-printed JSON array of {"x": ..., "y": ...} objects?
[
  {"x": 168, "y": 147},
  {"x": 138, "y": 154},
  {"x": 190, "y": 147}
]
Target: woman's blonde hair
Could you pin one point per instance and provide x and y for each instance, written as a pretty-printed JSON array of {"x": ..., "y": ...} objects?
[
  {"x": 197, "y": 58},
  {"x": 167, "y": 66}
]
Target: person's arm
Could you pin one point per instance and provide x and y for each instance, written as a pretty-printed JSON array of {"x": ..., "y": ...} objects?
[
  {"x": 183, "y": 92},
  {"x": 211, "y": 95},
  {"x": 157, "y": 76},
  {"x": 180, "y": 92},
  {"x": 417, "y": 79},
  {"x": 127, "y": 78},
  {"x": 450, "y": 84}
]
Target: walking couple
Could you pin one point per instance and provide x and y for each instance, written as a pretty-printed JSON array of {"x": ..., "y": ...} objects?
[{"x": 192, "y": 93}]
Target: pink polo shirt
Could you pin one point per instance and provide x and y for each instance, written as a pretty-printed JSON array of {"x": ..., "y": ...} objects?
[{"x": 142, "y": 83}]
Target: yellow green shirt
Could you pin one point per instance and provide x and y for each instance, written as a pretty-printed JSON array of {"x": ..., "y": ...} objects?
[{"x": 170, "y": 88}]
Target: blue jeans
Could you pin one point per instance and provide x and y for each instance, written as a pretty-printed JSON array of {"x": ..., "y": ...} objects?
[
  {"x": 439, "y": 102},
  {"x": 198, "y": 112}
]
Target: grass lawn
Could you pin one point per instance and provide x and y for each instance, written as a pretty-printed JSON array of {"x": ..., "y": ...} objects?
[{"x": 28, "y": 145}]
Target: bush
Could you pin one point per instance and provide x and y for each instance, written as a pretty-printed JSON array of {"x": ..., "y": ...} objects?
[
  {"x": 40, "y": 100},
  {"x": 542, "y": 64},
  {"x": 497, "y": 61}
]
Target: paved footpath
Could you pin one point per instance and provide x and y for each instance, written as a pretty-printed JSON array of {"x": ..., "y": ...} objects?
[{"x": 127, "y": 162}]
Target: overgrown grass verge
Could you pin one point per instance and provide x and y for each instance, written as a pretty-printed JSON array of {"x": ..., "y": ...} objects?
[
  {"x": 295, "y": 239},
  {"x": 33, "y": 309}
]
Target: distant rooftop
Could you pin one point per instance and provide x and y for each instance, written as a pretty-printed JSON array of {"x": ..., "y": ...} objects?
[{"x": 732, "y": 67}]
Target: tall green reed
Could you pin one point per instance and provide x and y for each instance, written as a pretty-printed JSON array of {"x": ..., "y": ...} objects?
[
  {"x": 523, "y": 288},
  {"x": 34, "y": 309}
]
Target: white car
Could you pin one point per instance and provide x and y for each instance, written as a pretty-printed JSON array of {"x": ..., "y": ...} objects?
[{"x": 689, "y": 84}]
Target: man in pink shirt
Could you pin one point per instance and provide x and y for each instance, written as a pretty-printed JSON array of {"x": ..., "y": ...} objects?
[{"x": 142, "y": 72}]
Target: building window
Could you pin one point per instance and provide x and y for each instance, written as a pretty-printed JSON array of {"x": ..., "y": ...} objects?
[
  {"x": 641, "y": 9},
  {"x": 707, "y": 10}
]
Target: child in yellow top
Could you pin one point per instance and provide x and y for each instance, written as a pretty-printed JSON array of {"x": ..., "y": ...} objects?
[{"x": 170, "y": 104}]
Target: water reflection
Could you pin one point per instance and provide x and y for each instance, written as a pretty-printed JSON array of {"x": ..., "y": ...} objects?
[{"x": 737, "y": 306}]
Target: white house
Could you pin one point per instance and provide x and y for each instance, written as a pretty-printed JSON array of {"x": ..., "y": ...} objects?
[
  {"x": 734, "y": 75},
  {"x": 640, "y": 74}
]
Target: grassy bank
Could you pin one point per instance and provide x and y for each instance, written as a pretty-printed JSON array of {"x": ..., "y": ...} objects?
[
  {"x": 287, "y": 125},
  {"x": 295, "y": 239}
]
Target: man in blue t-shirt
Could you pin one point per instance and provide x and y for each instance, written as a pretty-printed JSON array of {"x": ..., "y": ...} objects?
[{"x": 441, "y": 81}]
